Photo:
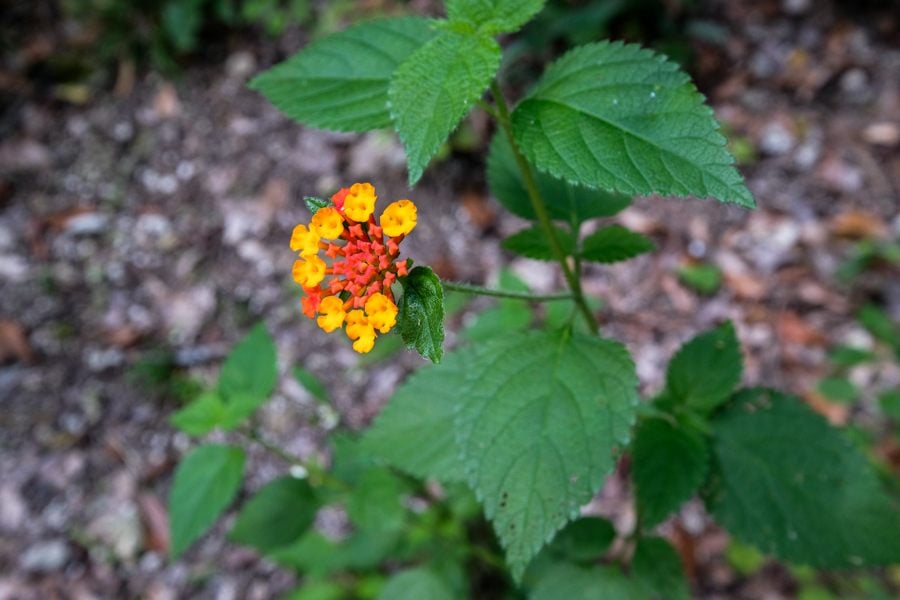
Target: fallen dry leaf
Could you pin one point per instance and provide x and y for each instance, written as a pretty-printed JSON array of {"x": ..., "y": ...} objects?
[
  {"x": 746, "y": 286},
  {"x": 793, "y": 329},
  {"x": 13, "y": 342},
  {"x": 836, "y": 414},
  {"x": 156, "y": 523},
  {"x": 857, "y": 224},
  {"x": 478, "y": 209}
]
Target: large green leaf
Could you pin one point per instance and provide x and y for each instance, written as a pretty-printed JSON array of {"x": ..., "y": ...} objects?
[
  {"x": 416, "y": 584},
  {"x": 542, "y": 415},
  {"x": 657, "y": 569},
  {"x": 251, "y": 368},
  {"x": 414, "y": 431},
  {"x": 669, "y": 464},
  {"x": 277, "y": 515},
  {"x": 582, "y": 540},
  {"x": 376, "y": 502},
  {"x": 619, "y": 117},
  {"x": 421, "y": 313},
  {"x": 201, "y": 416},
  {"x": 494, "y": 16},
  {"x": 205, "y": 484},
  {"x": 340, "y": 82},
  {"x": 565, "y": 201},
  {"x": 568, "y": 582},
  {"x": 705, "y": 371},
  {"x": 613, "y": 244},
  {"x": 788, "y": 483},
  {"x": 435, "y": 88}
]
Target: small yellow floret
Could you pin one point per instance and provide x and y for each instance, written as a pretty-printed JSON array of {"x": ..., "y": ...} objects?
[
  {"x": 399, "y": 218},
  {"x": 381, "y": 312},
  {"x": 304, "y": 241},
  {"x": 359, "y": 204},
  {"x": 309, "y": 272},
  {"x": 361, "y": 331},
  {"x": 331, "y": 313},
  {"x": 327, "y": 222}
]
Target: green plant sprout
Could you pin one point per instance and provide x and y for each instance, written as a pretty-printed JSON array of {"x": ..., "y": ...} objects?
[{"x": 521, "y": 423}]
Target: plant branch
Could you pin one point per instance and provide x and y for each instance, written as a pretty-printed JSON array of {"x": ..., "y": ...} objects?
[
  {"x": 540, "y": 208},
  {"x": 468, "y": 288}
]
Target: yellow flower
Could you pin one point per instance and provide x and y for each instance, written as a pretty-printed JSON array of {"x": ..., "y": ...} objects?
[
  {"x": 360, "y": 202},
  {"x": 309, "y": 272},
  {"x": 331, "y": 313},
  {"x": 399, "y": 218},
  {"x": 381, "y": 312},
  {"x": 327, "y": 222},
  {"x": 304, "y": 241},
  {"x": 360, "y": 330}
]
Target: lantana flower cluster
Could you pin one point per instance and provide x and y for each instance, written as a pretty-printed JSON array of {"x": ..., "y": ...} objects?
[{"x": 354, "y": 292}]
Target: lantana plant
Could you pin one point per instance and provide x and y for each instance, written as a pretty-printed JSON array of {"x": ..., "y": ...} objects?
[{"x": 531, "y": 421}]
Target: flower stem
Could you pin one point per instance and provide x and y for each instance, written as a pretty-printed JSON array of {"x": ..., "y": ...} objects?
[
  {"x": 540, "y": 208},
  {"x": 468, "y": 288}
]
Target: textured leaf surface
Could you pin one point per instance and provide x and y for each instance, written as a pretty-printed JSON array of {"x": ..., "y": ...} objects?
[
  {"x": 494, "y": 16},
  {"x": 340, "y": 82},
  {"x": 669, "y": 464},
  {"x": 421, "y": 313},
  {"x": 619, "y": 117},
  {"x": 205, "y": 484},
  {"x": 578, "y": 583},
  {"x": 532, "y": 243},
  {"x": 414, "y": 431},
  {"x": 703, "y": 373},
  {"x": 613, "y": 244},
  {"x": 416, "y": 584},
  {"x": 251, "y": 368},
  {"x": 794, "y": 487},
  {"x": 542, "y": 415},
  {"x": 435, "y": 88},
  {"x": 583, "y": 540},
  {"x": 277, "y": 515},
  {"x": 657, "y": 569},
  {"x": 565, "y": 201}
]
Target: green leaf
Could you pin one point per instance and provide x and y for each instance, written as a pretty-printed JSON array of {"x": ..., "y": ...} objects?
[
  {"x": 206, "y": 482},
  {"x": 657, "y": 568},
  {"x": 277, "y": 515},
  {"x": 619, "y": 117},
  {"x": 879, "y": 324},
  {"x": 532, "y": 243},
  {"x": 703, "y": 373},
  {"x": 541, "y": 417},
  {"x": 889, "y": 400},
  {"x": 311, "y": 384},
  {"x": 314, "y": 204},
  {"x": 583, "y": 540},
  {"x": 200, "y": 416},
  {"x": 416, "y": 584},
  {"x": 839, "y": 389},
  {"x": 340, "y": 82},
  {"x": 565, "y": 201},
  {"x": 421, "y": 313},
  {"x": 251, "y": 368},
  {"x": 508, "y": 316},
  {"x": 494, "y": 16},
  {"x": 376, "y": 502},
  {"x": 435, "y": 88},
  {"x": 613, "y": 244},
  {"x": 788, "y": 483},
  {"x": 569, "y": 582},
  {"x": 704, "y": 278},
  {"x": 414, "y": 431},
  {"x": 848, "y": 356},
  {"x": 316, "y": 590},
  {"x": 669, "y": 463},
  {"x": 316, "y": 555}
]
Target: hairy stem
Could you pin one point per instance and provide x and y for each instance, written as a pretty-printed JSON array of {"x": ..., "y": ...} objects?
[
  {"x": 540, "y": 208},
  {"x": 468, "y": 288}
]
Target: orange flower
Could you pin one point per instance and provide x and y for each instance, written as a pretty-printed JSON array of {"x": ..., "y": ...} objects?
[{"x": 364, "y": 261}]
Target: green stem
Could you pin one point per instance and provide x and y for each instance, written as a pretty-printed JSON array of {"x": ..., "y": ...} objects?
[
  {"x": 468, "y": 288},
  {"x": 316, "y": 474},
  {"x": 540, "y": 209}
]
